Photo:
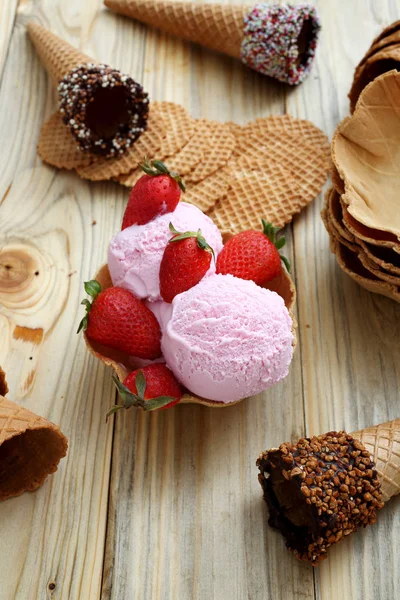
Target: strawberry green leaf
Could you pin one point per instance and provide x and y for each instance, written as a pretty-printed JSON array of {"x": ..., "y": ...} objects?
[
  {"x": 271, "y": 232},
  {"x": 113, "y": 410},
  {"x": 83, "y": 324},
  {"x": 280, "y": 243},
  {"x": 157, "y": 167},
  {"x": 285, "y": 262},
  {"x": 201, "y": 242},
  {"x": 86, "y": 303},
  {"x": 140, "y": 381},
  {"x": 92, "y": 288},
  {"x": 160, "y": 167},
  {"x": 127, "y": 396},
  {"x": 158, "y": 402}
]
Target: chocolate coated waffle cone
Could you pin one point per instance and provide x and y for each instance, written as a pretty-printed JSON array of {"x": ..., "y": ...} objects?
[
  {"x": 276, "y": 40},
  {"x": 321, "y": 489},
  {"x": 57, "y": 55},
  {"x": 30, "y": 447}
]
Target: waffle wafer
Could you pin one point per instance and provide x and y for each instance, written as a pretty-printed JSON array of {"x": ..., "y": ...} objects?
[
  {"x": 57, "y": 146},
  {"x": 222, "y": 143},
  {"x": 255, "y": 194}
]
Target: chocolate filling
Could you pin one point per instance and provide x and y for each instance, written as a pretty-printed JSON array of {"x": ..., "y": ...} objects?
[
  {"x": 108, "y": 112},
  {"x": 304, "y": 39}
]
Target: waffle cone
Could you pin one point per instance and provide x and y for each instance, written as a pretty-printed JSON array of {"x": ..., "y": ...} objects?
[
  {"x": 30, "y": 447},
  {"x": 216, "y": 26},
  {"x": 383, "y": 443},
  {"x": 122, "y": 364},
  {"x": 58, "y": 57}
]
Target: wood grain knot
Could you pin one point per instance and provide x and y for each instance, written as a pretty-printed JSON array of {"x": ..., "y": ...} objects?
[{"x": 24, "y": 274}]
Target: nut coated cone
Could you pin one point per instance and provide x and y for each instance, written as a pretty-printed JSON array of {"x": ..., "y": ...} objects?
[
  {"x": 383, "y": 443},
  {"x": 30, "y": 447},
  {"x": 57, "y": 55},
  {"x": 216, "y": 26}
]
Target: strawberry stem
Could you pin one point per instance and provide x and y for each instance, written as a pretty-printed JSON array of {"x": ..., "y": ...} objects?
[
  {"x": 130, "y": 399},
  {"x": 271, "y": 233},
  {"x": 154, "y": 168},
  {"x": 201, "y": 241},
  {"x": 93, "y": 289}
]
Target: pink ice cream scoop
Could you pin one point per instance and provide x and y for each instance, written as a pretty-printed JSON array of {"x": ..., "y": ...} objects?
[
  {"x": 228, "y": 338},
  {"x": 135, "y": 254}
]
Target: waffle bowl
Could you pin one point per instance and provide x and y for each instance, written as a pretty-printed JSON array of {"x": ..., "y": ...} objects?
[
  {"x": 339, "y": 482},
  {"x": 382, "y": 56},
  {"x": 30, "y": 447},
  {"x": 122, "y": 364},
  {"x": 361, "y": 209}
]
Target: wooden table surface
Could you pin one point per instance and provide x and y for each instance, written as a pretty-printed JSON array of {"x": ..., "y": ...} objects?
[{"x": 168, "y": 506}]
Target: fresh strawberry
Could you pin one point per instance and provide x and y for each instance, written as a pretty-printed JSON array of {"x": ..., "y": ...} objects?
[
  {"x": 253, "y": 255},
  {"x": 116, "y": 318},
  {"x": 185, "y": 261},
  {"x": 151, "y": 388},
  {"x": 156, "y": 193}
]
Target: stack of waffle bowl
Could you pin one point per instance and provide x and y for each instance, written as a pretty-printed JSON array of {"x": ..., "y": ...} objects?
[
  {"x": 271, "y": 167},
  {"x": 382, "y": 56},
  {"x": 361, "y": 210},
  {"x": 30, "y": 447}
]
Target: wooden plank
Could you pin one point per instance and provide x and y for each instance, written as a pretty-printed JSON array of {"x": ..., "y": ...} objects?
[
  {"x": 186, "y": 515},
  {"x": 348, "y": 337},
  {"x": 8, "y": 11},
  {"x": 54, "y": 231}
]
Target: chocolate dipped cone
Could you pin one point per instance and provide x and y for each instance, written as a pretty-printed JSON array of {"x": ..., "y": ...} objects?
[
  {"x": 103, "y": 110},
  {"x": 278, "y": 41},
  {"x": 30, "y": 447},
  {"x": 321, "y": 489}
]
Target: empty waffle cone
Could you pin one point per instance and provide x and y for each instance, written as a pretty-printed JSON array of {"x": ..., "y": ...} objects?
[
  {"x": 123, "y": 364},
  {"x": 321, "y": 489},
  {"x": 30, "y": 447},
  {"x": 278, "y": 41}
]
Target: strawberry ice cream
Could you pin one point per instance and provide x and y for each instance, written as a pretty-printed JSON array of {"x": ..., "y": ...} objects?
[
  {"x": 135, "y": 254},
  {"x": 228, "y": 338}
]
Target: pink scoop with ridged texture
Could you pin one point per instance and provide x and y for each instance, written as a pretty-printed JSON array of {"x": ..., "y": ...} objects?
[
  {"x": 134, "y": 254},
  {"x": 228, "y": 338}
]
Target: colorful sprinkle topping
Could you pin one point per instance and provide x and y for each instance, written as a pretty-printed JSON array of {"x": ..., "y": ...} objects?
[
  {"x": 105, "y": 110},
  {"x": 272, "y": 42}
]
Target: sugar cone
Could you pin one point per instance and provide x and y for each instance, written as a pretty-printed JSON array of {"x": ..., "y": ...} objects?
[
  {"x": 30, "y": 447},
  {"x": 219, "y": 27},
  {"x": 383, "y": 443},
  {"x": 57, "y": 55}
]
